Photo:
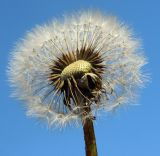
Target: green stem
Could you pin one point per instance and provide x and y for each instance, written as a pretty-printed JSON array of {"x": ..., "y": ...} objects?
[{"x": 89, "y": 137}]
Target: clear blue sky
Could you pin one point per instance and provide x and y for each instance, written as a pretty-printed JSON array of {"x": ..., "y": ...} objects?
[{"x": 131, "y": 131}]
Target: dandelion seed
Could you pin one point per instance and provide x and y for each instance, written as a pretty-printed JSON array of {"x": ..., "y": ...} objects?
[{"x": 65, "y": 71}]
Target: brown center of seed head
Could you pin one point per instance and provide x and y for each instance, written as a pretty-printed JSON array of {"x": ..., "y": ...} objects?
[{"x": 77, "y": 78}]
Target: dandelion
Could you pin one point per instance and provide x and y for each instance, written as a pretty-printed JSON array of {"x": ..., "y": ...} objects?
[{"x": 66, "y": 71}]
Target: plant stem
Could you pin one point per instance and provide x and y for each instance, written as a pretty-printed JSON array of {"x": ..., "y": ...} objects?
[{"x": 89, "y": 137}]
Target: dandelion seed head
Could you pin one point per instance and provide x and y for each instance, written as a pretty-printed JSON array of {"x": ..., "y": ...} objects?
[{"x": 67, "y": 70}]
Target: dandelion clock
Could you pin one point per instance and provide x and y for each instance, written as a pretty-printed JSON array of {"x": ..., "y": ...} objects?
[{"x": 69, "y": 69}]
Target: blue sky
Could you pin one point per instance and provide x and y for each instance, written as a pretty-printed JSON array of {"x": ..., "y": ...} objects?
[{"x": 131, "y": 131}]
